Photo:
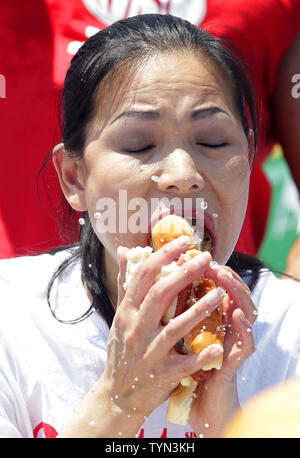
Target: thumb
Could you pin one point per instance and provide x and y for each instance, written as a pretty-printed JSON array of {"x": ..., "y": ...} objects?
[{"x": 122, "y": 261}]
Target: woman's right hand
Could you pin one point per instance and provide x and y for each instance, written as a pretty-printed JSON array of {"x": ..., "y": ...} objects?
[{"x": 142, "y": 366}]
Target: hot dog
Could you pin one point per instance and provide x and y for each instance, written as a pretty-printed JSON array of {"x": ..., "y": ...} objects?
[{"x": 205, "y": 333}]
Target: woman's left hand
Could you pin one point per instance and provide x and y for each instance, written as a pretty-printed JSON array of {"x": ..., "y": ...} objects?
[{"x": 217, "y": 399}]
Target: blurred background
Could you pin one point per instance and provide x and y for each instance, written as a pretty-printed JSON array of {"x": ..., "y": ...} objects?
[{"x": 283, "y": 219}]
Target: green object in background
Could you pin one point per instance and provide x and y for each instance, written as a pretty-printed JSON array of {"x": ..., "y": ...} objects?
[{"x": 284, "y": 213}]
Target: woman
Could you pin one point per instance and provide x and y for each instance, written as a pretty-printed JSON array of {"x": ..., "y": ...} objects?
[{"x": 158, "y": 108}]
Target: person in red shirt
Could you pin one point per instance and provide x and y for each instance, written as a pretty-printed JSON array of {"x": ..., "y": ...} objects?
[{"x": 37, "y": 44}]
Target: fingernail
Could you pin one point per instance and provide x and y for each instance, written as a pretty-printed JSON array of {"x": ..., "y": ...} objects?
[
  {"x": 216, "y": 349},
  {"x": 200, "y": 259},
  {"x": 222, "y": 291},
  {"x": 213, "y": 296},
  {"x": 182, "y": 240}
]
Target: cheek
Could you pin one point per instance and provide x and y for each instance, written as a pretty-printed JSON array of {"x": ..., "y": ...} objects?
[
  {"x": 106, "y": 184},
  {"x": 234, "y": 180},
  {"x": 110, "y": 173}
]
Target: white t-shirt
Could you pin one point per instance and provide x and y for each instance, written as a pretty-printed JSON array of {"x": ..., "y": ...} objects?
[{"x": 47, "y": 367}]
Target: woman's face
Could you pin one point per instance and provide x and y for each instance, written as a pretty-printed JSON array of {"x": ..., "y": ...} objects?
[{"x": 172, "y": 132}]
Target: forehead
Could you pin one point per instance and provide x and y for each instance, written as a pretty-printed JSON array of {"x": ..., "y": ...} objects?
[{"x": 179, "y": 81}]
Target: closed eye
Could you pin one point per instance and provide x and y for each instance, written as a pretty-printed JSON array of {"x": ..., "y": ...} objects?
[
  {"x": 140, "y": 150},
  {"x": 213, "y": 145}
]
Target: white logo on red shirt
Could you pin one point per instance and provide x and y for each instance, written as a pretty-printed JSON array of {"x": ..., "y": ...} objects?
[{"x": 109, "y": 11}]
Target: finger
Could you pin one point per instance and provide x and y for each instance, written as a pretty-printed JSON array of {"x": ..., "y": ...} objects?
[
  {"x": 122, "y": 261},
  {"x": 238, "y": 291},
  {"x": 191, "y": 363},
  {"x": 144, "y": 276},
  {"x": 177, "y": 328},
  {"x": 213, "y": 273},
  {"x": 238, "y": 278},
  {"x": 244, "y": 344},
  {"x": 165, "y": 290}
]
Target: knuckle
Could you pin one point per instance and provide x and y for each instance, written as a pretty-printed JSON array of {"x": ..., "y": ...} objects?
[
  {"x": 166, "y": 249},
  {"x": 130, "y": 340},
  {"x": 143, "y": 272},
  {"x": 154, "y": 291},
  {"x": 132, "y": 337},
  {"x": 170, "y": 332},
  {"x": 117, "y": 323}
]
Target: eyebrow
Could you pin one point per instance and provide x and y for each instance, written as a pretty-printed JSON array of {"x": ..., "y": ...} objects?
[
  {"x": 152, "y": 115},
  {"x": 206, "y": 112}
]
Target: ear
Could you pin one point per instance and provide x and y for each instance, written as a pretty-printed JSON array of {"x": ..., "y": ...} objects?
[
  {"x": 251, "y": 143},
  {"x": 71, "y": 175}
]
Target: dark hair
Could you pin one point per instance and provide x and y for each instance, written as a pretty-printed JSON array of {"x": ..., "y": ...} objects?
[{"x": 123, "y": 44}]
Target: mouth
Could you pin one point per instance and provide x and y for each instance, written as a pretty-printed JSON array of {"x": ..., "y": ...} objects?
[{"x": 205, "y": 237}]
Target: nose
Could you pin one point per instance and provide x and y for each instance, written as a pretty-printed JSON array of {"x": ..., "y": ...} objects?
[{"x": 180, "y": 174}]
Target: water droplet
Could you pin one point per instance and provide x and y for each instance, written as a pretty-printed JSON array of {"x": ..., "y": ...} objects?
[
  {"x": 240, "y": 343},
  {"x": 201, "y": 436},
  {"x": 129, "y": 416},
  {"x": 133, "y": 164},
  {"x": 92, "y": 422},
  {"x": 155, "y": 178},
  {"x": 116, "y": 396},
  {"x": 243, "y": 378},
  {"x": 215, "y": 215},
  {"x": 136, "y": 379},
  {"x": 249, "y": 330},
  {"x": 125, "y": 362},
  {"x": 133, "y": 387},
  {"x": 206, "y": 425},
  {"x": 213, "y": 264},
  {"x": 100, "y": 406},
  {"x": 231, "y": 302},
  {"x": 97, "y": 215},
  {"x": 120, "y": 434},
  {"x": 81, "y": 221},
  {"x": 255, "y": 312},
  {"x": 151, "y": 375},
  {"x": 204, "y": 204},
  {"x": 134, "y": 409}
]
